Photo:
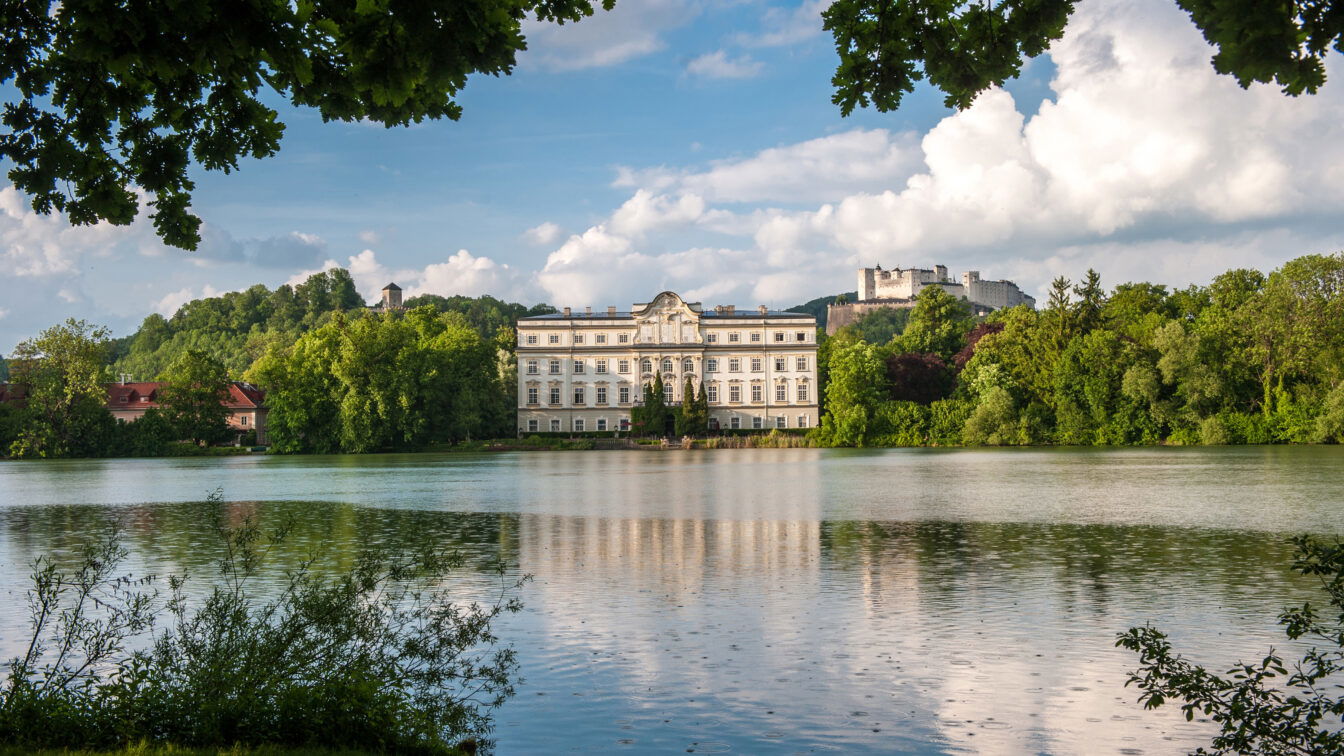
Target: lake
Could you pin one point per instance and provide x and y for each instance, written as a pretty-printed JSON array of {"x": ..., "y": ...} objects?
[{"x": 781, "y": 601}]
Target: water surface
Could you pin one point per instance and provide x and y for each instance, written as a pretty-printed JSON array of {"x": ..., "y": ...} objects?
[{"x": 782, "y": 601}]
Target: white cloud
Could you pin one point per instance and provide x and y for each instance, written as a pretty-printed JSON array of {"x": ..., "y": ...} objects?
[
  {"x": 717, "y": 65},
  {"x": 544, "y": 233},
  {"x": 817, "y": 170},
  {"x": 171, "y": 302},
  {"x": 782, "y": 26},
  {"x": 633, "y": 29}
]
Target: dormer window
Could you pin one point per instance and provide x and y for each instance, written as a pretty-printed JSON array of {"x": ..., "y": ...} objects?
[
  {"x": 144, "y": 399},
  {"x": 123, "y": 398}
]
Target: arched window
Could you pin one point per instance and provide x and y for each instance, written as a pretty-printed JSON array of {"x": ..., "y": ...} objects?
[
  {"x": 687, "y": 365},
  {"x": 646, "y": 365},
  {"x": 667, "y": 392},
  {"x": 667, "y": 364}
]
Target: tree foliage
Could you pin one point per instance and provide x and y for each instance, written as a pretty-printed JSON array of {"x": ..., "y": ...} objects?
[
  {"x": 105, "y": 98},
  {"x": 61, "y": 372},
  {"x": 1247, "y": 359},
  {"x": 196, "y": 387},
  {"x": 886, "y": 47}
]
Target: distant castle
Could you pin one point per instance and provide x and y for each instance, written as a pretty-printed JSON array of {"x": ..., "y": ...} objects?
[
  {"x": 898, "y": 288},
  {"x": 391, "y": 299}
]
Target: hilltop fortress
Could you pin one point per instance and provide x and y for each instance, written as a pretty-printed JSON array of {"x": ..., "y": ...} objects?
[{"x": 898, "y": 288}]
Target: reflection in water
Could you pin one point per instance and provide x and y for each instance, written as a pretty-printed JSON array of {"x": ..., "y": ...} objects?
[{"x": 789, "y": 601}]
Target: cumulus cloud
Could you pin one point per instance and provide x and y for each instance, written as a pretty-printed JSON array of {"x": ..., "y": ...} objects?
[
  {"x": 633, "y": 29},
  {"x": 171, "y": 302},
  {"x": 1144, "y": 164},
  {"x": 544, "y": 233},
  {"x": 461, "y": 273},
  {"x": 717, "y": 65}
]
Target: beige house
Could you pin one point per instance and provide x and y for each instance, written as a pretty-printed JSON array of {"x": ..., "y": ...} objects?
[
  {"x": 129, "y": 401},
  {"x": 585, "y": 371}
]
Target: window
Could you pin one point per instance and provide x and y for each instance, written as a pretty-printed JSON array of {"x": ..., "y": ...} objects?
[
  {"x": 242, "y": 420},
  {"x": 578, "y": 367},
  {"x": 531, "y": 338},
  {"x": 623, "y": 366},
  {"x": 601, "y": 423},
  {"x": 713, "y": 393},
  {"x": 734, "y": 337},
  {"x": 646, "y": 365},
  {"x": 756, "y": 364},
  {"x": 734, "y": 365},
  {"x": 625, "y": 423},
  {"x": 667, "y": 364},
  {"x": 781, "y": 393},
  {"x": 555, "y": 367},
  {"x": 757, "y": 393},
  {"x": 779, "y": 336},
  {"x": 735, "y": 423},
  {"x": 578, "y": 424},
  {"x": 578, "y": 338},
  {"x": 532, "y": 394},
  {"x": 601, "y": 367},
  {"x": 711, "y": 365},
  {"x": 667, "y": 393},
  {"x": 623, "y": 338},
  {"x": 687, "y": 365},
  {"x": 601, "y": 394},
  {"x": 601, "y": 338},
  {"x": 802, "y": 421},
  {"x": 553, "y": 338},
  {"x": 532, "y": 426},
  {"x": 781, "y": 422},
  {"x": 801, "y": 336},
  {"x": 555, "y": 395},
  {"x": 755, "y": 338},
  {"x": 532, "y": 367},
  {"x": 123, "y": 398},
  {"x": 624, "y": 393},
  {"x": 555, "y": 425},
  {"x": 800, "y": 363},
  {"x": 735, "y": 395},
  {"x": 578, "y": 396},
  {"x": 756, "y": 422},
  {"x": 712, "y": 338},
  {"x": 802, "y": 392},
  {"x": 779, "y": 364}
]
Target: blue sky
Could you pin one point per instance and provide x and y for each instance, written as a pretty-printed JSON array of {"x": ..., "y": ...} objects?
[{"x": 688, "y": 145}]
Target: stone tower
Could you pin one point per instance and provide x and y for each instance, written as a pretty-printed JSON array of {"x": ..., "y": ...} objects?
[{"x": 391, "y": 297}]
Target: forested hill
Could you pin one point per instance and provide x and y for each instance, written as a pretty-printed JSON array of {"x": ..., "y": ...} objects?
[
  {"x": 817, "y": 306},
  {"x": 238, "y": 327}
]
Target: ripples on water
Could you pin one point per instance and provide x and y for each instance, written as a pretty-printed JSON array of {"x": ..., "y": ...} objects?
[{"x": 783, "y": 601}]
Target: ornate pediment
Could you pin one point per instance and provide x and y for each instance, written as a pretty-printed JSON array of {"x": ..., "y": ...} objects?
[{"x": 668, "y": 319}]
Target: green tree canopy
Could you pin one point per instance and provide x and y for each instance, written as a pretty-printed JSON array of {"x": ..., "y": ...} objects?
[
  {"x": 62, "y": 373},
  {"x": 886, "y": 47},
  {"x": 193, "y": 399},
  {"x": 106, "y": 97}
]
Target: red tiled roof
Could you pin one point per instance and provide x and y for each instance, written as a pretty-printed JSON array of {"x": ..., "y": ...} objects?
[{"x": 145, "y": 394}]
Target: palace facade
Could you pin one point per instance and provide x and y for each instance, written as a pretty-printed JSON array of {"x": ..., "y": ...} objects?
[{"x": 585, "y": 371}]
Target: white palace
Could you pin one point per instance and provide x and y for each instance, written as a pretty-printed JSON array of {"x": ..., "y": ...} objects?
[{"x": 585, "y": 371}]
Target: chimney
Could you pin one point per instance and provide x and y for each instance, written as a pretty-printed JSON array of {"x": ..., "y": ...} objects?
[
  {"x": 611, "y": 310},
  {"x": 566, "y": 312},
  {"x": 761, "y": 309}
]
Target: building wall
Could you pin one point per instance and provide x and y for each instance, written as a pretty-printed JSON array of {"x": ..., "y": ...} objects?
[
  {"x": 904, "y": 284},
  {"x": 586, "y": 353}
]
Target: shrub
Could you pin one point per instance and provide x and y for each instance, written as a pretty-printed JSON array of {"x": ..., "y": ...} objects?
[
  {"x": 1262, "y": 706},
  {"x": 375, "y": 657}
]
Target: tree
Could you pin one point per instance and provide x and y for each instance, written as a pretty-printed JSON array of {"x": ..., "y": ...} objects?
[
  {"x": 687, "y": 422},
  {"x": 1262, "y": 706},
  {"x": 1091, "y": 301},
  {"x": 62, "y": 372},
  {"x": 107, "y": 97},
  {"x": 885, "y": 47},
  {"x": 938, "y": 324},
  {"x": 881, "y": 325},
  {"x": 920, "y": 378},
  {"x": 853, "y": 394},
  {"x": 197, "y": 386}
]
